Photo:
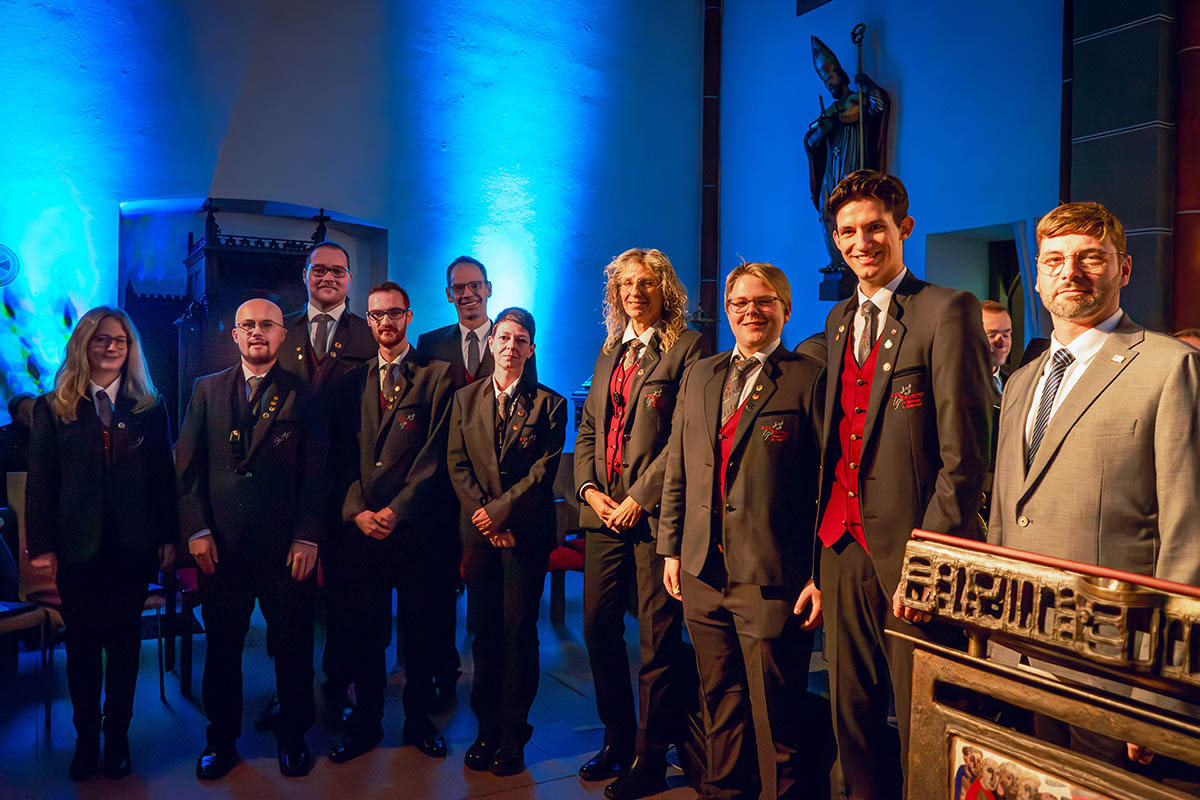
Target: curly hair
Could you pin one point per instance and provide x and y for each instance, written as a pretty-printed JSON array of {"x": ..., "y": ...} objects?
[
  {"x": 71, "y": 380},
  {"x": 675, "y": 299}
]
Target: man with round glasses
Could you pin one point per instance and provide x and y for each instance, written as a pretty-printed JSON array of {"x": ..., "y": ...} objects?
[
  {"x": 1099, "y": 444},
  {"x": 464, "y": 344}
]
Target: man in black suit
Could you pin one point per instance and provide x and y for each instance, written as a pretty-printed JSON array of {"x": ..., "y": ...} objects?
[
  {"x": 506, "y": 438},
  {"x": 325, "y": 339},
  {"x": 464, "y": 344},
  {"x": 251, "y": 507},
  {"x": 998, "y": 327},
  {"x": 735, "y": 528},
  {"x": 904, "y": 446},
  {"x": 620, "y": 458},
  {"x": 395, "y": 456}
]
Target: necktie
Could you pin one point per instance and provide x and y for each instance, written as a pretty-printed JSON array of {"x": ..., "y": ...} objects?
[
  {"x": 390, "y": 372},
  {"x": 503, "y": 402},
  {"x": 866, "y": 342},
  {"x": 252, "y": 384},
  {"x": 104, "y": 408},
  {"x": 1062, "y": 359},
  {"x": 472, "y": 353},
  {"x": 731, "y": 398},
  {"x": 633, "y": 352},
  {"x": 996, "y": 382},
  {"x": 321, "y": 337}
]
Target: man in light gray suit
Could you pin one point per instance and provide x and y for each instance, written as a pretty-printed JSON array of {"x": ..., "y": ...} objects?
[{"x": 1099, "y": 445}]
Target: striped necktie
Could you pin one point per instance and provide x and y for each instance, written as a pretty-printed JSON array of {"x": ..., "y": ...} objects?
[{"x": 1062, "y": 360}]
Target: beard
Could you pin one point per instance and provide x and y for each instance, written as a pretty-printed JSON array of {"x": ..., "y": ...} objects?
[
  {"x": 261, "y": 355},
  {"x": 1099, "y": 295}
]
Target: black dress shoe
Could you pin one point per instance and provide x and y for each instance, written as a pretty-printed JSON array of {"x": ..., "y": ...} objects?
[
  {"x": 85, "y": 762},
  {"x": 508, "y": 761},
  {"x": 215, "y": 763},
  {"x": 295, "y": 760},
  {"x": 646, "y": 776},
  {"x": 354, "y": 745},
  {"x": 479, "y": 754},
  {"x": 116, "y": 755},
  {"x": 425, "y": 738},
  {"x": 605, "y": 765}
]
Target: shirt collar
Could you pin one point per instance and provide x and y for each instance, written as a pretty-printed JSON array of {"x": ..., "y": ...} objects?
[
  {"x": 335, "y": 312},
  {"x": 510, "y": 391},
  {"x": 247, "y": 373},
  {"x": 646, "y": 336},
  {"x": 883, "y": 297},
  {"x": 1088, "y": 343},
  {"x": 761, "y": 356},
  {"x": 110, "y": 390},
  {"x": 481, "y": 332},
  {"x": 397, "y": 360}
]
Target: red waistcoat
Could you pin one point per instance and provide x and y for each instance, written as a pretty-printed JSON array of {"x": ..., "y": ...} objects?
[
  {"x": 614, "y": 441},
  {"x": 725, "y": 448},
  {"x": 843, "y": 513}
]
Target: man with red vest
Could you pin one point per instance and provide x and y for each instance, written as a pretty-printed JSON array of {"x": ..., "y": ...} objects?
[
  {"x": 905, "y": 446},
  {"x": 735, "y": 527}
]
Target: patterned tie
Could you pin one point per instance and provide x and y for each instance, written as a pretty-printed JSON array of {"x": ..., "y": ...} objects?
[
  {"x": 104, "y": 408},
  {"x": 321, "y": 343},
  {"x": 633, "y": 352},
  {"x": 503, "y": 403},
  {"x": 1062, "y": 360},
  {"x": 870, "y": 315},
  {"x": 731, "y": 398},
  {"x": 390, "y": 371},
  {"x": 252, "y": 384},
  {"x": 472, "y": 353}
]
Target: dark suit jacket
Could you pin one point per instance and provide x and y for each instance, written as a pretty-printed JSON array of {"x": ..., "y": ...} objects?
[
  {"x": 766, "y": 523},
  {"x": 352, "y": 344},
  {"x": 256, "y": 506},
  {"x": 446, "y": 344},
  {"x": 397, "y": 458},
  {"x": 517, "y": 488},
  {"x": 925, "y": 445},
  {"x": 647, "y": 425},
  {"x": 66, "y": 487}
]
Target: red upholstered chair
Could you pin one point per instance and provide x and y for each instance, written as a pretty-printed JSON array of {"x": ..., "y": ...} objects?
[{"x": 568, "y": 555}]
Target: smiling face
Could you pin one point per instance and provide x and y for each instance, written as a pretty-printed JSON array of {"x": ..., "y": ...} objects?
[
  {"x": 511, "y": 346},
  {"x": 641, "y": 294},
  {"x": 259, "y": 332},
  {"x": 469, "y": 292},
  {"x": 756, "y": 313},
  {"x": 327, "y": 277},
  {"x": 1075, "y": 295},
  {"x": 871, "y": 242},
  {"x": 108, "y": 348},
  {"x": 998, "y": 327}
]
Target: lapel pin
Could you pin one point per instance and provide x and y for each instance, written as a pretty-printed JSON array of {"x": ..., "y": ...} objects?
[
  {"x": 338, "y": 345},
  {"x": 333, "y": 354},
  {"x": 753, "y": 397},
  {"x": 758, "y": 388},
  {"x": 837, "y": 336},
  {"x": 1118, "y": 359},
  {"x": 888, "y": 343},
  {"x": 520, "y": 412},
  {"x": 641, "y": 372},
  {"x": 266, "y": 415},
  {"x": 893, "y": 331},
  {"x": 514, "y": 427},
  {"x": 121, "y": 425},
  {"x": 887, "y": 365}
]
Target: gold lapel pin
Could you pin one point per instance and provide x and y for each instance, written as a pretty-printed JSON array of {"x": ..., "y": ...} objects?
[
  {"x": 887, "y": 365},
  {"x": 266, "y": 415},
  {"x": 841, "y": 328},
  {"x": 758, "y": 388},
  {"x": 888, "y": 343},
  {"x": 121, "y": 425},
  {"x": 338, "y": 345},
  {"x": 753, "y": 397},
  {"x": 893, "y": 331}
]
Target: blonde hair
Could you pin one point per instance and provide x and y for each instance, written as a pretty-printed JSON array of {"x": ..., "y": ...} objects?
[
  {"x": 769, "y": 274},
  {"x": 675, "y": 299},
  {"x": 71, "y": 380}
]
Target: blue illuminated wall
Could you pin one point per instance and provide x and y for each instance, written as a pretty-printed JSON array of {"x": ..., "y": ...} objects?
[{"x": 975, "y": 129}]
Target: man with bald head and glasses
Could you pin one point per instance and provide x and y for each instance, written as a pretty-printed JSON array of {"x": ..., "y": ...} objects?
[
  {"x": 1099, "y": 444},
  {"x": 398, "y": 519},
  {"x": 250, "y": 454}
]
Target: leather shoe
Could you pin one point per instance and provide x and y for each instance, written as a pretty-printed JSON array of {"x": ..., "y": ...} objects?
[
  {"x": 85, "y": 762},
  {"x": 116, "y": 755},
  {"x": 354, "y": 745},
  {"x": 608, "y": 763},
  {"x": 646, "y": 776},
  {"x": 215, "y": 763},
  {"x": 508, "y": 761},
  {"x": 479, "y": 754},
  {"x": 295, "y": 760},
  {"x": 426, "y": 739}
]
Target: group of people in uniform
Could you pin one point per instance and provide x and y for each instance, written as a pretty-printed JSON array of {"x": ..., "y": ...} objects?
[{"x": 748, "y": 496}]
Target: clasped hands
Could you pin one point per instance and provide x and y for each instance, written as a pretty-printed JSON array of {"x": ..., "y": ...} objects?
[
  {"x": 487, "y": 527},
  {"x": 617, "y": 517}
]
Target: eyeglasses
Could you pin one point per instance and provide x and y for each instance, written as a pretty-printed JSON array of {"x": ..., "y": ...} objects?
[
  {"x": 318, "y": 271},
  {"x": 393, "y": 314},
  {"x": 461, "y": 288},
  {"x": 740, "y": 305},
  {"x": 103, "y": 341},
  {"x": 1090, "y": 261},
  {"x": 265, "y": 325},
  {"x": 645, "y": 284}
]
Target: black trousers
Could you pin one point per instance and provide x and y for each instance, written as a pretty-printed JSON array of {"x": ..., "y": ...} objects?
[
  {"x": 102, "y": 602},
  {"x": 867, "y": 668},
  {"x": 504, "y": 592},
  {"x": 753, "y": 657},
  {"x": 613, "y": 568},
  {"x": 359, "y": 577},
  {"x": 227, "y": 601}
]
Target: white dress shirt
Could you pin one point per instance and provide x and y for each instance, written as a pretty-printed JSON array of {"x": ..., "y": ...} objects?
[
  {"x": 646, "y": 335},
  {"x": 1084, "y": 348},
  {"x": 751, "y": 375},
  {"x": 110, "y": 390},
  {"x": 882, "y": 299},
  {"x": 397, "y": 360},
  {"x": 335, "y": 312}
]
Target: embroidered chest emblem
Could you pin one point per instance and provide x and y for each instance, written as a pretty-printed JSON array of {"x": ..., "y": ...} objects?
[
  {"x": 406, "y": 420},
  {"x": 907, "y": 398},
  {"x": 653, "y": 398},
  {"x": 281, "y": 437},
  {"x": 773, "y": 433}
]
